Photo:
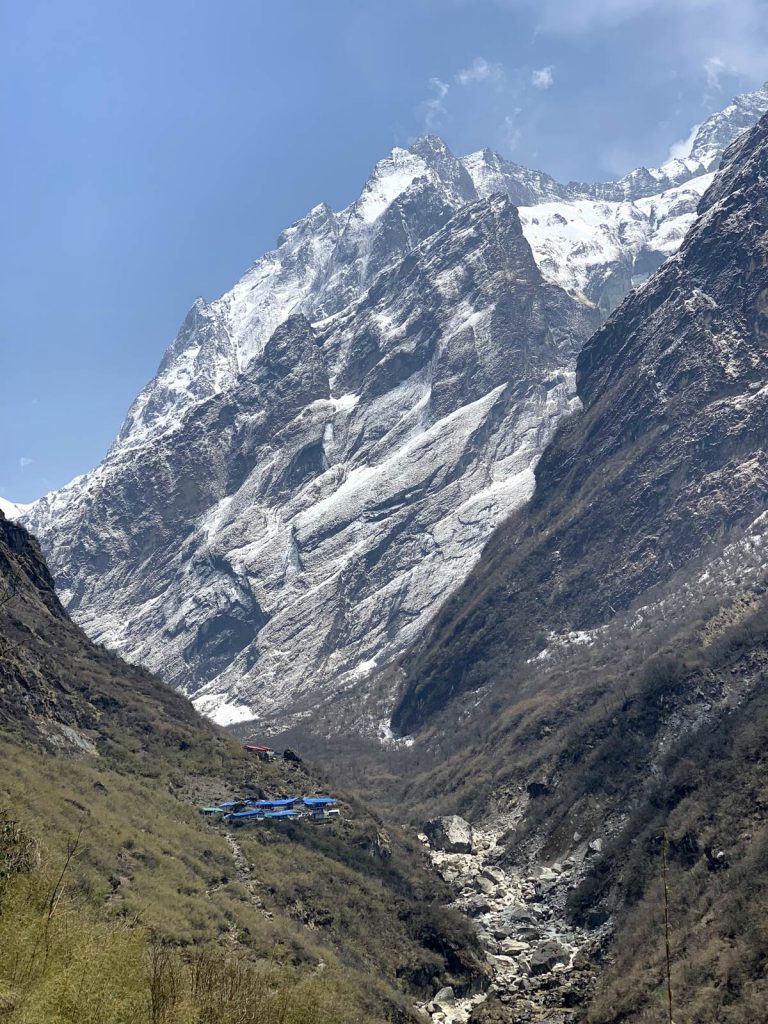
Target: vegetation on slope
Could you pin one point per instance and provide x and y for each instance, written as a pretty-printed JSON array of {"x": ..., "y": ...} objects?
[
  {"x": 648, "y": 735},
  {"x": 62, "y": 961},
  {"x": 100, "y": 753}
]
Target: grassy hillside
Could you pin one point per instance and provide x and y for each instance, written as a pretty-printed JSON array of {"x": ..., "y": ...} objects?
[{"x": 100, "y": 758}]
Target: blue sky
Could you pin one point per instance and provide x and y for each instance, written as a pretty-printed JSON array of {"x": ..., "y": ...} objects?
[{"x": 150, "y": 151}]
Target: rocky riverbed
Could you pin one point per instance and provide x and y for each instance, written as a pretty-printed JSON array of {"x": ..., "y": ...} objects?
[{"x": 540, "y": 965}]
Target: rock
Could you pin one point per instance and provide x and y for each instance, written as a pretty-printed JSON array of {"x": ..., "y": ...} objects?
[
  {"x": 511, "y": 946},
  {"x": 548, "y": 875},
  {"x": 482, "y": 884},
  {"x": 547, "y": 955},
  {"x": 445, "y": 995},
  {"x": 512, "y": 920},
  {"x": 495, "y": 854},
  {"x": 595, "y": 846},
  {"x": 476, "y": 904},
  {"x": 450, "y": 833},
  {"x": 491, "y": 1011},
  {"x": 494, "y": 875}
]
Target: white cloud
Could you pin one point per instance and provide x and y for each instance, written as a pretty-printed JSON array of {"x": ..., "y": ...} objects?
[
  {"x": 480, "y": 70},
  {"x": 682, "y": 148},
  {"x": 542, "y": 78},
  {"x": 433, "y": 109},
  {"x": 735, "y": 30},
  {"x": 714, "y": 69},
  {"x": 25, "y": 461},
  {"x": 512, "y": 131}
]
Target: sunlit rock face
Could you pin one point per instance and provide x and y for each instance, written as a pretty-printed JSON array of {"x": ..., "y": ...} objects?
[
  {"x": 326, "y": 449},
  {"x": 663, "y": 466}
]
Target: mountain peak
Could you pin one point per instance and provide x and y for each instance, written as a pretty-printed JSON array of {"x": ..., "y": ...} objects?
[
  {"x": 428, "y": 146},
  {"x": 720, "y": 129}
]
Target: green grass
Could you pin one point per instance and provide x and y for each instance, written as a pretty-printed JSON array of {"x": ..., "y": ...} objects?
[{"x": 61, "y": 962}]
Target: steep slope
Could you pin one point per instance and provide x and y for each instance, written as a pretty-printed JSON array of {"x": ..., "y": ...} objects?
[
  {"x": 104, "y": 756},
  {"x": 309, "y": 520},
  {"x": 12, "y": 509},
  {"x": 583, "y": 764},
  {"x": 667, "y": 457},
  {"x": 326, "y": 449},
  {"x": 605, "y": 666}
]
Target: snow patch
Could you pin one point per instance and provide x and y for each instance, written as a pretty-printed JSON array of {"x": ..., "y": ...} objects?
[{"x": 13, "y": 509}]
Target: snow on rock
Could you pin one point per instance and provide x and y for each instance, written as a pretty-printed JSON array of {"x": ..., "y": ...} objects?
[
  {"x": 326, "y": 448},
  {"x": 602, "y": 249},
  {"x": 13, "y": 509}
]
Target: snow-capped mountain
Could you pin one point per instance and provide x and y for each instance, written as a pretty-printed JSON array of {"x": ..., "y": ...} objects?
[
  {"x": 662, "y": 477},
  {"x": 13, "y": 509},
  {"x": 326, "y": 448}
]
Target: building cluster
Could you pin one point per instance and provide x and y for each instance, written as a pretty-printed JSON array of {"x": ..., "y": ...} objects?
[{"x": 242, "y": 812}]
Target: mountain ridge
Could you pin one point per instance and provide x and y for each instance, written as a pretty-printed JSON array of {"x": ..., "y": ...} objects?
[
  {"x": 666, "y": 455},
  {"x": 176, "y": 473}
]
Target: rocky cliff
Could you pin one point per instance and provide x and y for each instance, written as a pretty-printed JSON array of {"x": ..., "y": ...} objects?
[
  {"x": 326, "y": 449},
  {"x": 665, "y": 460}
]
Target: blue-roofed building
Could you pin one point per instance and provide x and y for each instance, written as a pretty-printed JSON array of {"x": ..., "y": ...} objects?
[
  {"x": 243, "y": 815},
  {"x": 283, "y": 802},
  {"x": 238, "y": 812}
]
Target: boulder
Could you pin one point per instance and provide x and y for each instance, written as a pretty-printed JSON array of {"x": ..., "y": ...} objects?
[
  {"x": 514, "y": 920},
  {"x": 495, "y": 854},
  {"x": 451, "y": 833},
  {"x": 514, "y": 946},
  {"x": 476, "y": 904},
  {"x": 547, "y": 955},
  {"x": 491, "y": 1011},
  {"x": 494, "y": 875},
  {"x": 444, "y": 996},
  {"x": 482, "y": 884}
]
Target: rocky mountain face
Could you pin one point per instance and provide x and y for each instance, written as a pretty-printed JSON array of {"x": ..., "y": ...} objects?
[
  {"x": 310, "y": 518},
  {"x": 326, "y": 449},
  {"x": 666, "y": 460},
  {"x": 605, "y": 667}
]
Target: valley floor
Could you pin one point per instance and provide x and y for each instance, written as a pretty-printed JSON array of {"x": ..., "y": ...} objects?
[{"x": 538, "y": 962}]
